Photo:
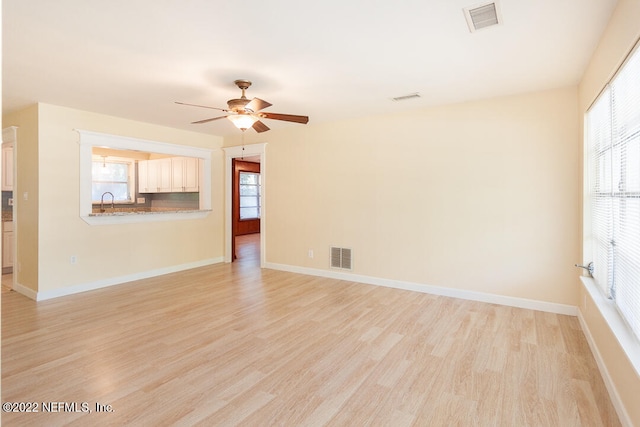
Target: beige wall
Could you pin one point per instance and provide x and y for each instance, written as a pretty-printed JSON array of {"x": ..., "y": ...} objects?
[
  {"x": 478, "y": 196},
  {"x": 105, "y": 251},
  {"x": 620, "y": 36}
]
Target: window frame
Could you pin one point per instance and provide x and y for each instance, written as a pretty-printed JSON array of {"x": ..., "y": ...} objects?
[
  {"x": 602, "y": 294},
  {"x": 131, "y": 177},
  {"x": 258, "y": 196}
]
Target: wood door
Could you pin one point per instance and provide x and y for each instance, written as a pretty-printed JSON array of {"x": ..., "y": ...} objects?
[{"x": 242, "y": 226}]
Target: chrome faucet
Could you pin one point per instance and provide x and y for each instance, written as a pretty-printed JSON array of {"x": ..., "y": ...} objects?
[{"x": 102, "y": 201}]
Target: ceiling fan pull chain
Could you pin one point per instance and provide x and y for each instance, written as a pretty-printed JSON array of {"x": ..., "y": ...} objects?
[{"x": 242, "y": 154}]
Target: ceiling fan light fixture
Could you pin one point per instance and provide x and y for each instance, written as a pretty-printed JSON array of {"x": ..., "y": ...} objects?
[
  {"x": 245, "y": 113},
  {"x": 242, "y": 121}
]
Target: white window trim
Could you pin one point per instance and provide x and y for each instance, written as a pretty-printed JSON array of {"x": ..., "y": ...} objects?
[{"x": 90, "y": 139}]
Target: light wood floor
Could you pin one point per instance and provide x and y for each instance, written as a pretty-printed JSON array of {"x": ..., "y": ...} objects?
[
  {"x": 236, "y": 345},
  {"x": 7, "y": 282}
]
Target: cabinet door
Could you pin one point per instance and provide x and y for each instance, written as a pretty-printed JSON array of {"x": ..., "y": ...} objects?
[
  {"x": 164, "y": 175},
  {"x": 154, "y": 176},
  {"x": 177, "y": 174},
  {"x": 191, "y": 174},
  {"x": 7, "y": 167},
  {"x": 185, "y": 174},
  {"x": 143, "y": 176}
]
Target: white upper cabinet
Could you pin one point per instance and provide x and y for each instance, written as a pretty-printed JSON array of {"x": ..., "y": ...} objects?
[
  {"x": 184, "y": 174},
  {"x": 169, "y": 175},
  {"x": 154, "y": 176}
]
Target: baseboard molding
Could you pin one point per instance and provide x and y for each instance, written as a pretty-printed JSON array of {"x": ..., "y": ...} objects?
[
  {"x": 103, "y": 283},
  {"x": 27, "y": 292},
  {"x": 550, "y": 307},
  {"x": 625, "y": 420}
]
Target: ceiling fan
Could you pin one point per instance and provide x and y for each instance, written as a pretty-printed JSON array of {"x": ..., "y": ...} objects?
[{"x": 246, "y": 113}]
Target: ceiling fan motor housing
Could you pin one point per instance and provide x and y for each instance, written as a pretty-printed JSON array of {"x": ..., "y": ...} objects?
[{"x": 237, "y": 104}]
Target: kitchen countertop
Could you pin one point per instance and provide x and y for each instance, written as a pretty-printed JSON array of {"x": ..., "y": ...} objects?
[
  {"x": 147, "y": 211},
  {"x": 131, "y": 216}
]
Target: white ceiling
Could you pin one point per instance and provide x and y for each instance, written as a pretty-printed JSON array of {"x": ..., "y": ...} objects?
[{"x": 330, "y": 59}]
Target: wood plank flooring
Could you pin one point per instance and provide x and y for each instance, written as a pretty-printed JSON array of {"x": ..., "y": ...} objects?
[{"x": 231, "y": 344}]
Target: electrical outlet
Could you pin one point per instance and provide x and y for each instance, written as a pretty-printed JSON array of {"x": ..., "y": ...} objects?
[
  {"x": 141, "y": 199},
  {"x": 310, "y": 253},
  {"x": 74, "y": 259},
  {"x": 10, "y": 200}
]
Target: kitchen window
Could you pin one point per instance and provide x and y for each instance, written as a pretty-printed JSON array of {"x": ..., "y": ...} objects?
[{"x": 112, "y": 175}]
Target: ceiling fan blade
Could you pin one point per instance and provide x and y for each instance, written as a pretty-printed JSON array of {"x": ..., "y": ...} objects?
[
  {"x": 285, "y": 117},
  {"x": 257, "y": 104},
  {"x": 201, "y": 106},
  {"x": 208, "y": 120},
  {"x": 260, "y": 127}
]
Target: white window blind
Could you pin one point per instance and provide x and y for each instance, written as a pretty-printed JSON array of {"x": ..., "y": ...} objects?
[{"x": 613, "y": 141}]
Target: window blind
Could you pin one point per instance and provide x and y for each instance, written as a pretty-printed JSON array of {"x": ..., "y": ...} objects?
[{"x": 613, "y": 141}]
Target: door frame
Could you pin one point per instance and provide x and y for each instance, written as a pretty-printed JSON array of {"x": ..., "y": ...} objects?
[{"x": 235, "y": 153}]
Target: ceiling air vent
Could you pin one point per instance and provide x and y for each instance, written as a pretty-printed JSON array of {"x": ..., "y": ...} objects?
[
  {"x": 482, "y": 16},
  {"x": 341, "y": 258}
]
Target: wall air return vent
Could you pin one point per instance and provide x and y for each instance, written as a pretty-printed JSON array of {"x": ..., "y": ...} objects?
[
  {"x": 341, "y": 258},
  {"x": 482, "y": 16}
]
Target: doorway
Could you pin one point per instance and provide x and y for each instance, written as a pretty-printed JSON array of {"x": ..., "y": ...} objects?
[
  {"x": 246, "y": 209},
  {"x": 256, "y": 153}
]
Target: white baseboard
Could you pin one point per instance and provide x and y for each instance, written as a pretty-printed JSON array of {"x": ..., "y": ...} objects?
[
  {"x": 70, "y": 290},
  {"x": 27, "y": 292},
  {"x": 550, "y": 307},
  {"x": 625, "y": 420}
]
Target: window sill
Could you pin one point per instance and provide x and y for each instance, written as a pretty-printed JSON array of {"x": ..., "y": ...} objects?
[
  {"x": 625, "y": 337},
  {"x": 104, "y": 218}
]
